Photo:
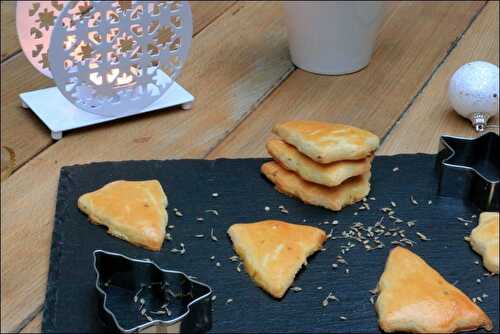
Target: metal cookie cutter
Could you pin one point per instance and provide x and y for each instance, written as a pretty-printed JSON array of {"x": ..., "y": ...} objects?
[
  {"x": 469, "y": 168},
  {"x": 139, "y": 296}
]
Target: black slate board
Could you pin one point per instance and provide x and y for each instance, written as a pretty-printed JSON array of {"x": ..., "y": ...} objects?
[{"x": 243, "y": 193}]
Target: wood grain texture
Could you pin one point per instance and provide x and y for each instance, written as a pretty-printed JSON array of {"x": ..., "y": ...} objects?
[
  {"x": 412, "y": 42},
  {"x": 204, "y": 12},
  {"x": 431, "y": 115},
  {"x": 9, "y": 41},
  {"x": 19, "y": 76},
  {"x": 21, "y": 130},
  {"x": 234, "y": 62},
  {"x": 34, "y": 326}
]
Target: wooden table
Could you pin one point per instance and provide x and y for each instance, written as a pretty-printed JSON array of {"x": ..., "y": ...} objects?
[{"x": 240, "y": 72}]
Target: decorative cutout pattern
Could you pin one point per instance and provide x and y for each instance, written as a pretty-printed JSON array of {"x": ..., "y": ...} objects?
[
  {"x": 35, "y": 21},
  {"x": 115, "y": 57}
]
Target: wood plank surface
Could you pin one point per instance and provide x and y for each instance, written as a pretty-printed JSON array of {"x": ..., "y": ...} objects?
[
  {"x": 234, "y": 62},
  {"x": 34, "y": 326},
  {"x": 9, "y": 42},
  {"x": 239, "y": 60},
  {"x": 431, "y": 115},
  {"x": 204, "y": 12},
  {"x": 411, "y": 44},
  {"x": 21, "y": 130}
]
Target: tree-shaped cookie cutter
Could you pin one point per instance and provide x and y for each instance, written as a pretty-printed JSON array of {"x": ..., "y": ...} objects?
[
  {"x": 139, "y": 296},
  {"x": 109, "y": 59}
]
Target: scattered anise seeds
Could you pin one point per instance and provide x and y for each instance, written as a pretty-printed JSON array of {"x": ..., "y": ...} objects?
[
  {"x": 212, "y": 236},
  {"x": 215, "y": 212},
  {"x": 181, "y": 251},
  {"x": 361, "y": 238},
  {"x": 282, "y": 209},
  {"x": 329, "y": 235},
  {"x": 330, "y": 296},
  {"x": 422, "y": 236}
]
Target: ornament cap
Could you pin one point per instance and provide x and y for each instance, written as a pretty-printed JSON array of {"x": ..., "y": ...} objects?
[{"x": 479, "y": 121}]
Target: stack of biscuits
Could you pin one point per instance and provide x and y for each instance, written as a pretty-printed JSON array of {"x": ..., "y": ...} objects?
[{"x": 323, "y": 164}]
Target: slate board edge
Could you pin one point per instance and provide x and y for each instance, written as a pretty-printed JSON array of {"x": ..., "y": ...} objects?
[{"x": 57, "y": 241}]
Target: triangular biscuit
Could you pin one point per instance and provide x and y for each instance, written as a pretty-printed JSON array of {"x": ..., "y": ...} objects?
[
  {"x": 484, "y": 239},
  {"x": 333, "y": 198},
  {"x": 274, "y": 251},
  {"x": 328, "y": 142},
  {"x": 132, "y": 210},
  {"x": 413, "y": 297},
  {"x": 330, "y": 175}
]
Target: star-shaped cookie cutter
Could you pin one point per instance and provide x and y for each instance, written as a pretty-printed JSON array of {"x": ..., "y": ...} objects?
[
  {"x": 138, "y": 296},
  {"x": 469, "y": 168}
]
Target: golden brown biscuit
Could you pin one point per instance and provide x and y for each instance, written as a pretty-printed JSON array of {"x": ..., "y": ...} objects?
[
  {"x": 330, "y": 175},
  {"x": 132, "y": 210},
  {"x": 484, "y": 240},
  {"x": 333, "y": 198},
  {"x": 274, "y": 251},
  {"x": 415, "y": 298},
  {"x": 328, "y": 142}
]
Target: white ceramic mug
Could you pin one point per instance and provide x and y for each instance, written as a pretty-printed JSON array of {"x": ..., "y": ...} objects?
[{"x": 332, "y": 37}]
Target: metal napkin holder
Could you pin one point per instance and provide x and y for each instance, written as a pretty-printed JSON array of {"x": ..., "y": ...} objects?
[
  {"x": 174, "y": 302},
  {"x": 469, "y": 168}
]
